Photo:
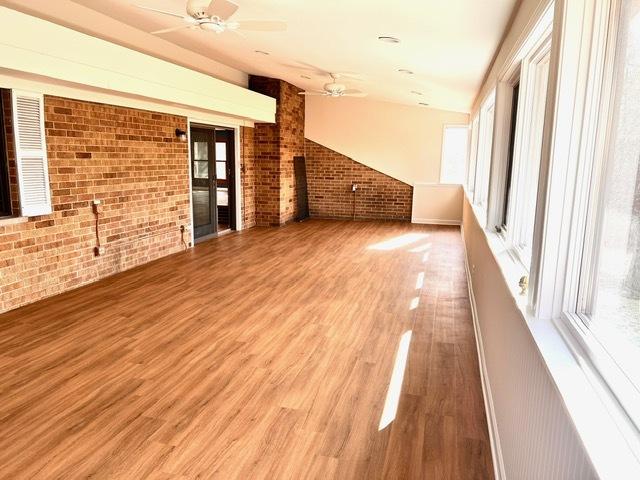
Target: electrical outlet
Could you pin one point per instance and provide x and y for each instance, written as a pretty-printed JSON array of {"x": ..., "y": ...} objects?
[
  {"x": 354, "y": 187},
  {"x": 97, "y": 206},
  {"x": 99, "y": 251}
]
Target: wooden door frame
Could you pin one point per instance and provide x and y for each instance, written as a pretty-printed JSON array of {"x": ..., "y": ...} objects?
[{"x": 196, "y": 122}]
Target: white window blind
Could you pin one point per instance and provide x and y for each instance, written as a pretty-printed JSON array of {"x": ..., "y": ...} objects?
[{"x": 31, "y": 153}]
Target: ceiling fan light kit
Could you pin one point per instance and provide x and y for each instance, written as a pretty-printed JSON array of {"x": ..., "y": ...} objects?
[
  {"x": 334, "y": 89},
  {"x": 213, "y": 16}
]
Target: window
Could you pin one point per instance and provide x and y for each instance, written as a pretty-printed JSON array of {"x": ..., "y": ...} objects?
[
  {"x": 221, "y": 160},
  {"x": 454, "y": 154},
  {"x": 510, "y": 153},
  {"x": 608, "y": 294},
  {"x": 485, "y": 144},
  {"x": 473, "y": 157},
  {"x": 523, "y": 165},
  {"x": 5, "y": 195}
]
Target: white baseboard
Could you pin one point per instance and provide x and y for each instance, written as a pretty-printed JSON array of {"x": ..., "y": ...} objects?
[
  {"x": 435, "y": 221},
  {"x": 494, "y": 436}
]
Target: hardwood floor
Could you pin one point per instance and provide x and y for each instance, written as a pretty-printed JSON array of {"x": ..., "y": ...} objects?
[{"x": 261, "y": 354}]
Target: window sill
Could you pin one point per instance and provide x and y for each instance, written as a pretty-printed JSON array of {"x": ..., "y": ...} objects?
[
  {"x": 608, "y": 435},
  {"x": 6, "y": 221}
]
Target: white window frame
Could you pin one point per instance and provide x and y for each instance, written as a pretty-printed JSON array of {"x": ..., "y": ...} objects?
[
  {"x": 520, "y": 68},
  {"x": 581, "y": 293},
  {"x": 442, "y": 159},
  {"x": 524, "y": 177},
  {"x": 571, "y": 179},
  {"x": 485, "y": 150},
  {"x": 473, "y": 155}
]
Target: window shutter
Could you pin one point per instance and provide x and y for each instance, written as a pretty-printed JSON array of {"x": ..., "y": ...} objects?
[{"x": 31, "y": 153}]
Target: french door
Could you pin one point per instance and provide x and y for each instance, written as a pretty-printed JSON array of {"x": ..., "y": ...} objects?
[{"x": 213, "y": 182}]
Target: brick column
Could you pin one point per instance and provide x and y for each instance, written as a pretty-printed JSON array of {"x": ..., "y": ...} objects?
[{"x": 275, "y": 146}]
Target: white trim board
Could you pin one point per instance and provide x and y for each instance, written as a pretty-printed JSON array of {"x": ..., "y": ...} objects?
[
  {"x": 13, "y": 80},
  {"x": 109, "y": 67},
  {"x": 435, "y": 221},
  {"x": 492, "y": 423}
]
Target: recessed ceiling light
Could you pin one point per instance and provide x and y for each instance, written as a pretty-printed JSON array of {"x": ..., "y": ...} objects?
[
  {"x": 306, "y": 77},
  {"x": 405, "y": 71},
  {"x": 387, "y": 39},
  {"x": 423, "y": 104},
  {"x": 416, "y": 92},
  {"x": 261, "y": 52}
]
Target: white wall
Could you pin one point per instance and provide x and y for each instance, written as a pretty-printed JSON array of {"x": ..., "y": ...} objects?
[
  {"x": 439, "y": 204},
  {"x": 404, "y": 142},
  {"x": 527, "y": 14},
  {"x": 536, "y": 435}
]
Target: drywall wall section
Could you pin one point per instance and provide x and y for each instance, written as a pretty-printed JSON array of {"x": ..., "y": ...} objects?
[
  {"x": 404, "y": 142},
  {"x": 523, "y": 20},
  {"x": 439, "y": 204}
]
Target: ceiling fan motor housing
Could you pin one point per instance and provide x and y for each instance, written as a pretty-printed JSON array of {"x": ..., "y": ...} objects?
[
  {"x": 334, "y": 88},
  {"x": 198, "y": 8}
]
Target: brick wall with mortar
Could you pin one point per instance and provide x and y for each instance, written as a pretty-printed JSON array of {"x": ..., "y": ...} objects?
[
  {"x": 275, "y": 146},
  {"x": 330, "y": 176},
  {"x": 133, "y": 162},
  {"x": 248, "y": 177}
]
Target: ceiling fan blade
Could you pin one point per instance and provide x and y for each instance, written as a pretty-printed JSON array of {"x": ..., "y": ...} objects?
[
  {"x": 160, "y": 11},
  {"x": 352, "y": 92},
  {"x": 172, "y": 29},
  {"x": 320, "y": 71},
  {"x": 349, "y": 76},
  {"x": 222, "y": 9},
  {"x": 262, "y": 25},
  {"x": 318, "y": 93}
]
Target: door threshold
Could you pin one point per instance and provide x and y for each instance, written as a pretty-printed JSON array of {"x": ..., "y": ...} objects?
[{"x": 211, "y": 236}]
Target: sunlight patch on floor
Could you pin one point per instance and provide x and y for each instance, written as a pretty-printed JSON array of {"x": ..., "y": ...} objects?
[
  {"x": 421, "y": 248},
  {"x": 395, "y": 384},
  {"x": 399, "y": 241}
]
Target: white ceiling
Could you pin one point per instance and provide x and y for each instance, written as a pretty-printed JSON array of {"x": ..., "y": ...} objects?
[{"x": 447, "y": 43}]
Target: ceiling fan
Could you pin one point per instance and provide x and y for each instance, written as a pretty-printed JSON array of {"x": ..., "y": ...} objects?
[
  {"x": 213, "y": 15},
  {"x": 335, "y": 89}
]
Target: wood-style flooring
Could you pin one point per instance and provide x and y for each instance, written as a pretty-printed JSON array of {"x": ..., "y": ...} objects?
[{"x": 265, "y": 354}]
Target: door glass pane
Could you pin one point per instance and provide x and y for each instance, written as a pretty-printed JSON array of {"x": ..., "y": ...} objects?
[
  {"x": 200, "y": 151},
  {"x": 201, "y": 206},
  {"x": 221, "y": 170},
  {"x": 615, "y": 312},
  {"x": 201, "y": 169},
  {"x": 221, "y": 151}
]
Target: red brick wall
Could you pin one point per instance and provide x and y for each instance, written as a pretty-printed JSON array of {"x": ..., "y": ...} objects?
[
  {"x": 132, "y": 161},
  {"x": 275, "y": 146},
  {"x": 248, "y": 177},
  {"x": 267, "y": 158},
  {"x": 330, "y": 176},
  {"x": 291, "y": 121}
]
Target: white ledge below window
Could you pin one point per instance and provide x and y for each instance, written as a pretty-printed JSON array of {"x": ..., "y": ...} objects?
[{"x": 610, "y": 438}]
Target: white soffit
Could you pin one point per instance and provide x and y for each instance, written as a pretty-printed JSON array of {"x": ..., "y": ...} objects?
[{"x": 82, "y": 60}]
